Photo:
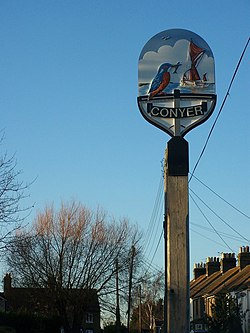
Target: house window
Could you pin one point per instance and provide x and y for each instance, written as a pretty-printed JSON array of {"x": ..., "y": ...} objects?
[
  {"x": 196, "y": 309},
  {"x": 198, "y": 327},
  {"x": 89, "y": 319}
]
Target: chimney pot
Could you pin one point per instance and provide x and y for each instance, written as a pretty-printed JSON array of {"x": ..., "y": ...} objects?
[
  {"x": 199, "y": 270},
  {"x": 244, "y": 257},
  {"x": 7, "y": 283},
  {"x": 212, "y": 265},
  {"x": 227, "y": 262}
]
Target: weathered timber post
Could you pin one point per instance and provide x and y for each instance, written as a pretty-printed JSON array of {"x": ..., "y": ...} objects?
[{"x": 176, "y": 229}]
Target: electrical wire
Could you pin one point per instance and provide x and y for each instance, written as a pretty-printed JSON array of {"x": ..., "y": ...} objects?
[
  {"x": 228, "y": 203},
  {"x": 200, "y": 234},
  {"x": 151, "y": 265},
  {"x": 220, "y": 232},
  {"x": 220, "y": 110},
  {"x": 219, "y": 216},
  {"x": 210, "y": 223},
  {"x": 157, "y": 246},
  {"x": 153, "y": 219},
  {"x": 159, "y": 223},
  {"x": 151, "y": 233}
]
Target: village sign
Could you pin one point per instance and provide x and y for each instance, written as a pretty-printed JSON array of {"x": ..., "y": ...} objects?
[{"x": 176, "y": 81}]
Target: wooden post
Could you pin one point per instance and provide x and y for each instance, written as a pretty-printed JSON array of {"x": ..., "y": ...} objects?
[
  {"x": 130, "y": 285},
  {"x": 118, "y": 317},
  {"x": 176, "y": 229},
  {"x": 140, "y": 311}
]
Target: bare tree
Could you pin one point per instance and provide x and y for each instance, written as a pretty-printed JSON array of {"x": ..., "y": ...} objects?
[
  {"x": 152, "y": 291},
  {"x": 12, "y": 193},
  {"x": 73, "y": 248}
]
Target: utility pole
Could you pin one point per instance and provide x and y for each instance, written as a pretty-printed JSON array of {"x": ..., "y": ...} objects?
[
  {"x": 140, "y": 312},
  {"x": 176, "y": 229},
  {"x": 118, "y": 317},
  {"x": 130, "y": 285}
]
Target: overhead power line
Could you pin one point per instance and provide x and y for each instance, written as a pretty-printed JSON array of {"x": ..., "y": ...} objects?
[
  {"x": 152, "y": 266},
  {"x": 157, "y": 246},
  {"x": 156, "y": 249},
  {"x": 219, "y": 196},
  {"x": 236, "y": 238},
  {"x": 154, "y": 217},
  {"x": 210, "y": 239},
  {"x": 220, "y": 110},
  {"x": 227, "y": 224},
  {"x": 159, "y": 223},
  {"x": 210, "y": 223}
]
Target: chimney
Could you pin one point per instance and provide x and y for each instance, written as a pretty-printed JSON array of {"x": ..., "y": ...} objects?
[
  {"x": 212, "y": 265},
  {"x": 227, "y": 262},
  {"x": 243, "y": 257},
  {"x": 199, "y": 270},
  {"x": 7, "y": 283}
]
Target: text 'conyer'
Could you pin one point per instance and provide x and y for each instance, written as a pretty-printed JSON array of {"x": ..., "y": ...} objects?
[{"x": 179, "y": 112}]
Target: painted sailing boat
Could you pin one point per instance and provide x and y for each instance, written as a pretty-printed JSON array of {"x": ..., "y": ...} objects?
[{"x": 191, "y": 77}]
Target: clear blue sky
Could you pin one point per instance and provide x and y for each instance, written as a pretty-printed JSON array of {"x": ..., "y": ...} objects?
[{"x": 68, "y": 89}]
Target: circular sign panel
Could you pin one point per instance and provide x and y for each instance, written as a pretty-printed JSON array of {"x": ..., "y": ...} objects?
[{"x": 176, "y": 81}]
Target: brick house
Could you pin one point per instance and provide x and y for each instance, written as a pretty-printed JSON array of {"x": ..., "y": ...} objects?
[
  {"x": 218, "y": 276},
  {"x": 40, "y": 300}
]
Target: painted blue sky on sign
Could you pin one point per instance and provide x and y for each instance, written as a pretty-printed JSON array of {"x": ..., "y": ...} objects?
[{"x": 173, "y": 46}]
